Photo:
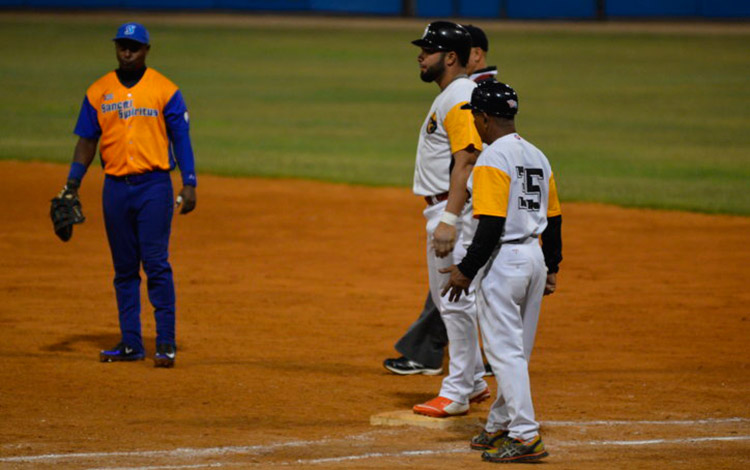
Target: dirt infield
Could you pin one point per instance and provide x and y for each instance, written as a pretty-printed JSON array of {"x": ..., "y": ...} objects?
[{"x": 290, "y": 294}]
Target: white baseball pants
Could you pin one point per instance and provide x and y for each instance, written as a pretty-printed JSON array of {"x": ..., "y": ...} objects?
[
  {"x": 509, "y": 297},
  {"x": 466, "y": 369}
]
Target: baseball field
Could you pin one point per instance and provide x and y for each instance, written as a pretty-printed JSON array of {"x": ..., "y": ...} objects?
[{"x": 304, "y": 260}]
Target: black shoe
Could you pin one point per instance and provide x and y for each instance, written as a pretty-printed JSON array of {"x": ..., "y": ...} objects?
[
  {"x": 121, "y": 352},
  {"x": 165, "y": 354},
  {"x": 488, "y": 370},
  {"x": 404, "y": 366}
]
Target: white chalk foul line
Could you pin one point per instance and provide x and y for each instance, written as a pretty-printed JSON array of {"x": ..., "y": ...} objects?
[
  {"x": 692, "y": 422},
  {"x": 375, "y": 455},
  {"x": 417, "y": 453},
  {"x": 234, "y": 450},
  {"x": 174, "y": 453},
  {"x": 686, "y": 440}
]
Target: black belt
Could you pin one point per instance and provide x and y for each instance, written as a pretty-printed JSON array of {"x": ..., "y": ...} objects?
[
  {"x": 432, "y": 200},
  {"x": 139, "y": 177},
  {"x": 519, "y": 241}
]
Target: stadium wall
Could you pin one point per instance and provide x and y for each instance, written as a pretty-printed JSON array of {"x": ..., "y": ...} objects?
[{"x": 510, "y": 9}]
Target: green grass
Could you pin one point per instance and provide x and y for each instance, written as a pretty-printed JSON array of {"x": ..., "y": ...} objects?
[{"x": 649, "y": 120}]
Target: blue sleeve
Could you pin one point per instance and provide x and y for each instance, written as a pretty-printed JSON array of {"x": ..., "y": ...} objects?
[
  {"x": 88, "y": 122},
  {"x": 178, "y": 128}
]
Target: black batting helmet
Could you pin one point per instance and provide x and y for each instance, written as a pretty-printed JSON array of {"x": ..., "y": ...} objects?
[
  {"x": 478, "y": 38},
  {"x": 446, "y": 36},
  {"x": 494, "y": 98}
]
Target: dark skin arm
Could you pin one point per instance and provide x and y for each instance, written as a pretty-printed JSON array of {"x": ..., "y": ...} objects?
[
  {"x": 444, "y": 237},
  {"x": 551, "y": 285},
  {"x": 458, "y": 283},
  {"x": 186, "y": 199},
  {"x": 85, "y": 151}
]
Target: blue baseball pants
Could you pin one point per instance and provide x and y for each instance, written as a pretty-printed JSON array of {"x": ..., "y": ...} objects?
[{"x": 138, "y": 213}]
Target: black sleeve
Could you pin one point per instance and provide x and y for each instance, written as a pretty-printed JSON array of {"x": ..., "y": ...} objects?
[
  {"x": 552, "y": 243},
  {"x": 488, "y": 234}
]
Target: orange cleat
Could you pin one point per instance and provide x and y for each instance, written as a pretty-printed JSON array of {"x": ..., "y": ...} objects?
[
  {"x": 441, "y": 407},
  {"x": 479, "y": 397}
]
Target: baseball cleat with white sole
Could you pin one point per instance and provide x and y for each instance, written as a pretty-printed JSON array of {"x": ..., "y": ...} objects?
[
  {"x": 121, "y": 353},
  {"x": 405, "y": 366},
  {"x": 165, "y": 355},
  {"x": 441, "y": 407}
]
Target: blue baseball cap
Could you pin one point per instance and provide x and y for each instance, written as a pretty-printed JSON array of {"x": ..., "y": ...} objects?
[{"x": 134, "y": 32}]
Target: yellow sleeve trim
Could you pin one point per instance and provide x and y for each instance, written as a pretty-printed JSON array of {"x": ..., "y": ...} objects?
[
  {"x": 491, "y": 191},
  {"x": 459, "y": 124},
  {"x": 553, "y": 205}
]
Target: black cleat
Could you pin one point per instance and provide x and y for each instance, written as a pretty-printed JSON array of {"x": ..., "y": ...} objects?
[
  {"x": 121, "y": 352},
  {"x": 165, "y": 354},
  {"x": 404, "y": 366}
]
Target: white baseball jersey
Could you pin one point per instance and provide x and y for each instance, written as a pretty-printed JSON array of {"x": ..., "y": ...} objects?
[
  {"x": 513, "y": 179},
  {"x": 447, "y": 129}
]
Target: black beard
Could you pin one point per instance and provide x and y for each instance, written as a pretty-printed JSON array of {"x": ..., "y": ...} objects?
[{"x": 433, "y": 73}]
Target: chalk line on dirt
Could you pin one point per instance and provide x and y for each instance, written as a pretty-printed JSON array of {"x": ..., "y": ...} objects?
[{"x": 191, "y": 452}]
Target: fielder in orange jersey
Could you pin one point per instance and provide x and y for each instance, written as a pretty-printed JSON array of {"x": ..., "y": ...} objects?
[
  {"x": 514, "y": 196},
  {"x": 138, "y": 119}
]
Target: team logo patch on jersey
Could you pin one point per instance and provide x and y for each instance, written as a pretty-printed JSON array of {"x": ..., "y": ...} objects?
[
  {"x": 108, "y": 97},
  {"x": 432, "y": 124}
]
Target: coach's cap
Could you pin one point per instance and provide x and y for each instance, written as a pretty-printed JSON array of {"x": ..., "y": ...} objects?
[
  {"x": 134, "y": 32},
  {"x": 493, "y": 98},
  {"x": 446, "y": 36},
  {"x": 478, "y": 38}
]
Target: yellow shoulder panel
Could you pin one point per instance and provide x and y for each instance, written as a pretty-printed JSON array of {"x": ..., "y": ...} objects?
[
  {"x": 459, "y": 124},
  {"x": 491, "y": 190}
]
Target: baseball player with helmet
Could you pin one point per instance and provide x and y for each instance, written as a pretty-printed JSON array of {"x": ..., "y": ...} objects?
[
  {"x": 448, "y": 147},
  {"x": 514, "y": 196},
  {"x": 477, "y": 68},
  {"x": 139, "y": 121},
  {"x": 422, "y": 346}
]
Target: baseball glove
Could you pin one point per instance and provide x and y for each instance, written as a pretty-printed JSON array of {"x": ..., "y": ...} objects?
[{"x": 66, "y": 211}]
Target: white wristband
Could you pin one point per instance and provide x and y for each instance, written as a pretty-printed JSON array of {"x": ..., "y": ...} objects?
[{"x": 449, "y": 218}]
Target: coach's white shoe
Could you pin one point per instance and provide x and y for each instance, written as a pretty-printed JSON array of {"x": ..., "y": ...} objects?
[{"x": 441, "y": 407}]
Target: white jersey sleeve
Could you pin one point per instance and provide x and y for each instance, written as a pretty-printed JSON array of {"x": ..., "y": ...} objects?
[
  {"x": 446, "y": 130},
  {"x": 513, "y": 179}
]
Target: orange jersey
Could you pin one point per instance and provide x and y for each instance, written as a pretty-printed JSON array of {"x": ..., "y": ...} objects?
[{"x": 131, "y": 123}]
